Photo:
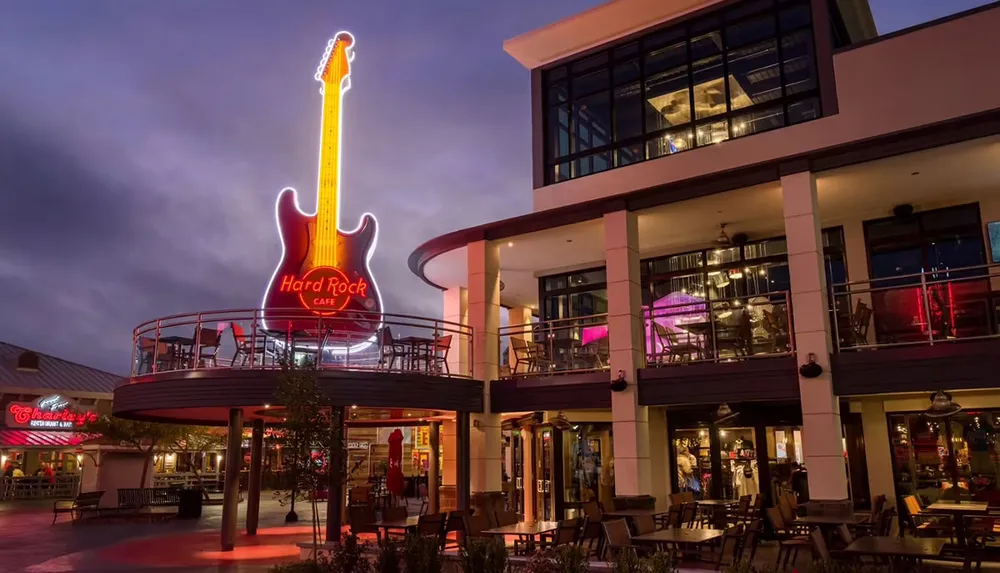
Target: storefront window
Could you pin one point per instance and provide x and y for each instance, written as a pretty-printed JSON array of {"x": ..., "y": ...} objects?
[
  {"x": 941, "y": 243},
  {"x": 739, "y": 463},
  {"x": 784, "y": 460},
  {"x": 694, "y": 462},
  {"x": 931, "y": 455},
  {"x": 588, "y": 469}
]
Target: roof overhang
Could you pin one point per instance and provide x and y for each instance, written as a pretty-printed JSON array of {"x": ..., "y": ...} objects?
[{"x": 595, "y": 27}]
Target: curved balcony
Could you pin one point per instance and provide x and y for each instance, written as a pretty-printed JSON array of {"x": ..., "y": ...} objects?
[{"x": 254, "y": 340}]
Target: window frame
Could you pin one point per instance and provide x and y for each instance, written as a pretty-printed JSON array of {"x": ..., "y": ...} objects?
[{"x": 639, "y": 49}]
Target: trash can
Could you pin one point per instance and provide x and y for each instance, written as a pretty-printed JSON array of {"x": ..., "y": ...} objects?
[{"x": 189, "y": 504}]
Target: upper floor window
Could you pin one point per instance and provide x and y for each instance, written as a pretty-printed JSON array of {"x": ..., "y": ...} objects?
[{"x": 745, "y": 69}]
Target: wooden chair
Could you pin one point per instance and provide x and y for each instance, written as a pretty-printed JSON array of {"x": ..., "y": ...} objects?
[
  {"x": 819, "y": 546},
  {"x": 644, "y": 524},
  {"x": 530, "y": 354},
  {"x": 616, "y": 537},
  {"x": 151, "y": 353},
  {"x": 455, "y": 522},
  {"x": 422, "y": 495},
  {"x": 247, "y": 345},
  {"x": 568, "y": 533},
  {"x": 475, "y": 524},
  {"x": 505, "y": 518},
  {"x": 671, "y": 346},
  {"x": 859, "y": 323},
  {"x": 789, "y": 544},
  {"x": 432, "y": 525},
  {"x": 751, "y": 539},
  {"x": 689, "y": 515},
  {"x": 732, "y": 537},
  {"x": 923, "y": 524},
  {"x": 362, "y": 520}
]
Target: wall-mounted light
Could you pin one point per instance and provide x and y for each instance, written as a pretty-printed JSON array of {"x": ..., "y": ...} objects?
[
  {"x": 619, "y": 383},
  {"x": 811, "y": 369}
]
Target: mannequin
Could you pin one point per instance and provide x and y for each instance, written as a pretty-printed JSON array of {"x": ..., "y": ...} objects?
[{"x": 687, "y": 464}]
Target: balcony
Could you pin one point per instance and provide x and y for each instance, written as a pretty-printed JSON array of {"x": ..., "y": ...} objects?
[
  {"x": 247, "y": 340},
  {"x": 922, "y": 309},
  {"x": 683, "y": 329},
  {"x": 563, "y": 346}
]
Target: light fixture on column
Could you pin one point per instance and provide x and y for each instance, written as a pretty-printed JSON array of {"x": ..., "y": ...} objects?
[
  {"x": 810, "y": 369},
  {"x": 619, "y": 383},
  {"x": 942, "y": 405}
]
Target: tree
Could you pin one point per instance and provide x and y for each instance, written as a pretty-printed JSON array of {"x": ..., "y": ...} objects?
[
  {"x": 311, "y": 424},
  {"x": 146, "y": 437}
]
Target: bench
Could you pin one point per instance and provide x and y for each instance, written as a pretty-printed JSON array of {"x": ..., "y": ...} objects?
[
  {"x": 138, "y": 498},
  {"x": 76, "y": 507}
]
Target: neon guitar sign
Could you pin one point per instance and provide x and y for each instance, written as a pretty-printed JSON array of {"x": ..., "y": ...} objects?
[{"x": 323, "y": 270}]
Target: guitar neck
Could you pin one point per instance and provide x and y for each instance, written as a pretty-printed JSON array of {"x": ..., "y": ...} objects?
[{"x": 327, "y": 208}]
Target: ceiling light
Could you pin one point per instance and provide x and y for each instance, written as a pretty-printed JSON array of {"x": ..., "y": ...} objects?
[
  {"x": 510, "y": 243},
  {"x": 354, "y": 407},
  {"x": 942, "y": 406}
]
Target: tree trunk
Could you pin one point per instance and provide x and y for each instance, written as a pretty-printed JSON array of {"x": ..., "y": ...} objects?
[{"x": 148, "y": 458}]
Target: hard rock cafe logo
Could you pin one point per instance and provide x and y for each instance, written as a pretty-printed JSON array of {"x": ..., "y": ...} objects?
[
  {"x": 48, "y": 412},
  {"x": 324, "y": 290}
]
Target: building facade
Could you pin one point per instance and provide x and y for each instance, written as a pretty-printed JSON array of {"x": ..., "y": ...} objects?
[{"x": 763, "y": 236}]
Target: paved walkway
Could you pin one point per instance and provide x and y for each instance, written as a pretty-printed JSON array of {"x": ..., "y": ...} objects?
[{"x": 29, "y": 542}]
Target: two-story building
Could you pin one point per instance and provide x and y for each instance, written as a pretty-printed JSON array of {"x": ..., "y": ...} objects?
[{"x": 763, "y": 236}]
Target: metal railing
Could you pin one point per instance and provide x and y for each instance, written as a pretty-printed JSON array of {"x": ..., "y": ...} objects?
[
  {"x": 932, "y": 307},
  {"x": 63, "y": 487},
  {"x": 256, "y": 339},
  {"x": 554, "y": 347},
  {"x": 685, "y": 329}
]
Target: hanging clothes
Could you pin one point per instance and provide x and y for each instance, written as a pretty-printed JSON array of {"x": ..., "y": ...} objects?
[{"x": 745, "y": 479}]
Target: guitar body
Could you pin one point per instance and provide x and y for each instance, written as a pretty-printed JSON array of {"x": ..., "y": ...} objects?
[{"x": 303, "y": 296}]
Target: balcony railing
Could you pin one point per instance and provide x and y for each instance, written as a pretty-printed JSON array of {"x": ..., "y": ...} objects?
[
  {"x": 555, "y": 347},
  {"x": 252, "y": 339},
  {"x": 927, "y": 308},
  {"x": 699, "y": 330}
]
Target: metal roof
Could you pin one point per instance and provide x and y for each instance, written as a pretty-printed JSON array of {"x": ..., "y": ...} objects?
[
  {"x": 41, "y": 438},
  {"x": 53, "y": 374}
]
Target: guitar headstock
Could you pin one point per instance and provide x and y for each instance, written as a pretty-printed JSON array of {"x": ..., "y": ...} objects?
[{"x": 335, "y": 67}]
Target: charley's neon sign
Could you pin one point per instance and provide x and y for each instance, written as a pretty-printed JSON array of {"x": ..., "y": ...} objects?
[{"x": 49, "y": 412}]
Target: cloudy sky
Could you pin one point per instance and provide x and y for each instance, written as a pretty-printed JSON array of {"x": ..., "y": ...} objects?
[{"x": 143, "y": 143}]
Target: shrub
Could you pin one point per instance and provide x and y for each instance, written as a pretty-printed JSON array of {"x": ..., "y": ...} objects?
[
  {"x": 422, "y": 554},
  {"x": 388, "y": 558},
  {"x": 480, "y": 555}
]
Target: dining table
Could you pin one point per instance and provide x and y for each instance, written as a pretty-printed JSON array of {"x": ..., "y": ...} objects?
[
  {"x": 909, "y": 551},
  {"x": 679, "y": 537},
  {"x": 419, "y": 349},
  {"x": 181, "y": 349},
  {"x": 958, "y": 510},
  {"x": 529, "y": 531}
]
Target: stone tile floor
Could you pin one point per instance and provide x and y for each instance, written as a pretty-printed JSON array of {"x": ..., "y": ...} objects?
[{"x": 29, "y": 542}]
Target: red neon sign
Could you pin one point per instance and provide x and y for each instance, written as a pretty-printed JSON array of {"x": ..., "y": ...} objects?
[
  {"x": 51, "y": 412},
  {"x": 324, "y": 290}
]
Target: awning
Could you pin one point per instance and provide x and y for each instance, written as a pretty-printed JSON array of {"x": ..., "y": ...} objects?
[{"x": 42, "y": 439}]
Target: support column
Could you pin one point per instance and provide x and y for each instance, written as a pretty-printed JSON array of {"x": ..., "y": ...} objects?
[
  {"x": 528, "y": 471},
  {"x": 878, "y": 451},
  {"x": 659, "y": 456},
  {"x": 337, "y": 469},
  {"x": 231, "y": 491},
  {"x": 462, "y": 474},
  {"x": 631, "y": 421},
  {"x": 822, "y": 441},
  {"x": 456, "y": 310},
  {"x": 485, "y": 442},
  {"x": 856, "y": 253},
  {"x": 253, "y": 487},
  {"x": 433, "y": 505}
]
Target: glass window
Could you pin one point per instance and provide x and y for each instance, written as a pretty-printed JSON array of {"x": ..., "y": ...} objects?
[
  {"x": 754, "y": 77},
  {"x": 574, "y": 295},
  {"x": 693, "y": 462},
  {"x": 784, "y": 458},
  {"x": 729, "y": 72},
  {"x": 950, "y": 458},
  {"x": 668, "y": 99},
  {"x": 739, "y": 463},
  {"x": 628, "y": 111}
]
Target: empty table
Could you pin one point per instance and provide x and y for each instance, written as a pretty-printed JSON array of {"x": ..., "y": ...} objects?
[
  {"x": 525, "y": 530},
  {"x": 905, "y": 549},
  {"x": 679, "y": 536},
  {"x": 958, "y": 509}
]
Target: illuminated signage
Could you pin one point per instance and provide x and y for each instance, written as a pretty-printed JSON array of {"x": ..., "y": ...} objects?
[
  {"x": 48, "y": 412},
  {"x": 356, "y": 445},
  {"x": 324, "y": 270}
]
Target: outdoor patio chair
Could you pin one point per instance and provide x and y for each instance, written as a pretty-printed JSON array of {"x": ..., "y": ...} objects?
[
  {"x": 475, "y": 524},
  {"x": 644, "y": 524},
  {"x": 859, "y": 323},
  {"x": 923, "y": 524},
  {"x": 150, "y": 353},
  {"x": 616, "y": 536},
  {"x": 362, "y": 520},
  {"x": 389, "y": 350},
  {"x": 568, "y": 533},
  {"x": 505, "y": 518},
  {"x": 432, "y": 525},
  {"x": 439, "y": 359},
  {"x": 209, "y": 340},
  {"x": 531, "y": 355},
  {"x": 247, "y": 345},
  {"x": 671, "y": 346},
  {"x": 789, "y": 543}
]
